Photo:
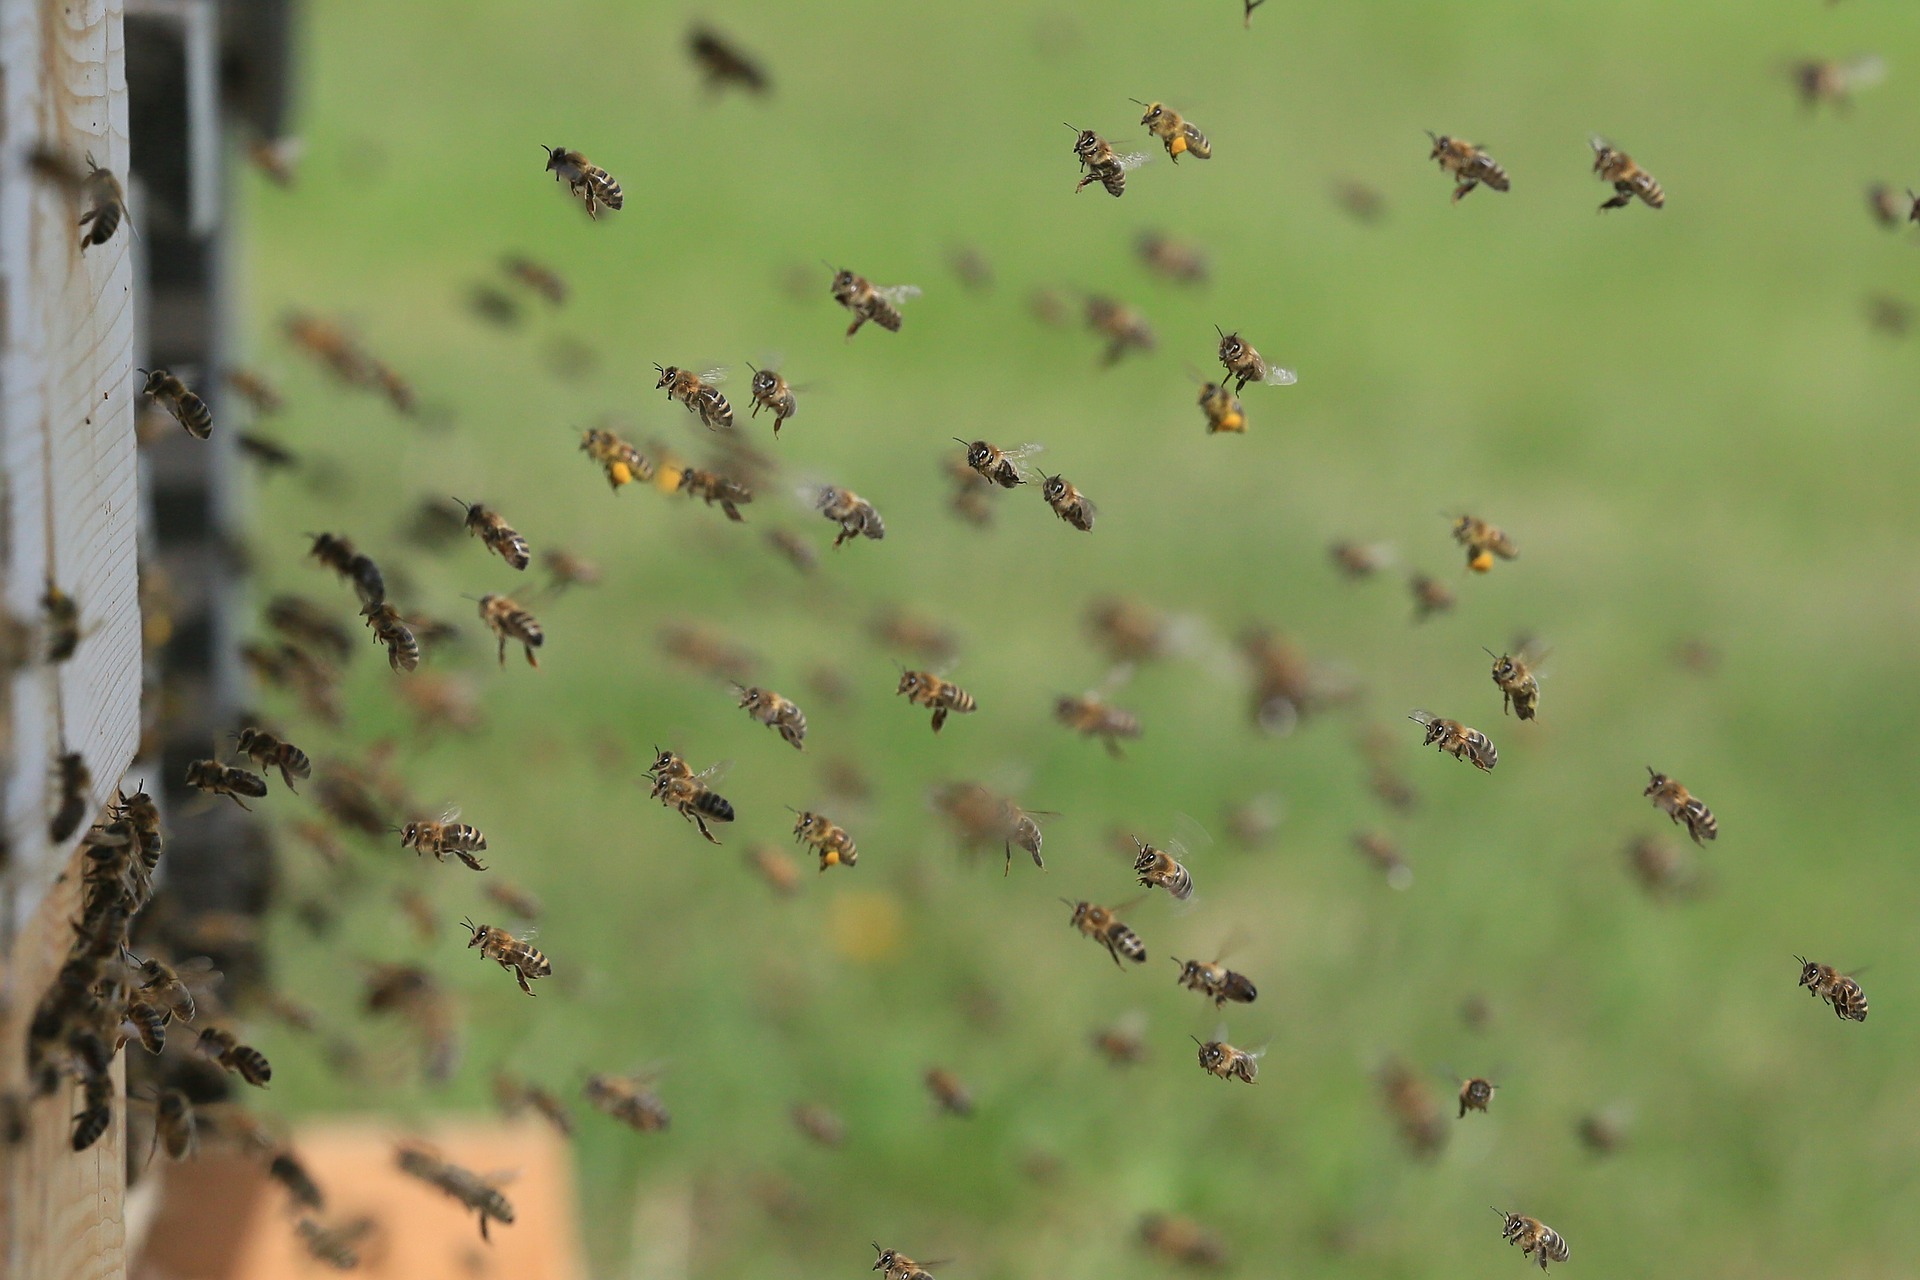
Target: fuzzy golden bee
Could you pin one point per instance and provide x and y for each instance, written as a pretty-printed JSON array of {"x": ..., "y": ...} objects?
[
  {"x": 1538, "y": 1242},
  {"x": 628, "y": 1099},
  {"x": 443, "y": 836},
  {"x": 894, "y": 1265},
  {"x": 1835, "y": 80},
  {"x": 1457, "y": 740},
  {"x": 106, "y": 207},
  {"x": 593, "y": 185},
  {"x": 1468, "y": 165},
  {"x": 825, "y": 837},
  {"x": 1102, "y": 163},
  {"x": 508, "y": 621},
  {"x": 517, "y": 956},
  {"x": 622, "y": 462},
  {"x": 856, "y": 516},
  {"x": 498, "y": 536},
  {"x": 776, "y": 712},
  {"x": 868, "y": 302},
  {"x": 1219, "y": 1058},
  {"x": 1824, "y": 982},
  {"x": 1106, "y": 928},
  {"x": 1629, "y": 180},
  {"x": 1681, "y": 806},
  {"x": 676, "y": 786},
  {"x": 1222, "y": 408},
  {"x": 713, "y": 487},
  {"x": 1177, "y": 134},
  {"x": 1002, "y": 467},
  {"x": 699, "y": 392},
  {"x": 1519, "y": 687},
  {"x": 1091, "y": 716},
  {"x": 171, "y": 394},
  {"x": 1243, "y": 364},
  {"x": 773, "y": 393},
  {"x": 942, "y": 696},
  {"x": 1125, "y": 328},
  {"x": 1483, "y": 542},
  {"x": 245, "y": 1061},
  {"x": 1216, "y": 982},
  {"x": 1069, "y": 503}
]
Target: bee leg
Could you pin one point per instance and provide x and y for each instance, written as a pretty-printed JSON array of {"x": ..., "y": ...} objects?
[
  {"x": 503, "y": 651},
  {"x": 939, "y": 718},
  {"x": 1618, "y": 202},
  {"x": 521, "y": 975},
  {"x": 701, "y": 822},
  {"x": 733, "y": 512},
  {"x": 854, "y": 328},
  {"x": 237, "y": 800},
  {"x": 532, "y": 661},
  {"x": 1113, "y": 748},
  {"x": 1463, "y": 188}
]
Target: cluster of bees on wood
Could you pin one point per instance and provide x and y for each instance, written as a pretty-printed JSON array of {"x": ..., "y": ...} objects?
[{"x": 105, "y": 996}]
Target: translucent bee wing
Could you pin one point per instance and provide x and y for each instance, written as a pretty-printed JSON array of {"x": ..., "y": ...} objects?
[
  {"x": 714, "y": 772},
  {"x": 1278, "y": 377},
  {"x": 1188, "y": 835},
  {"x": 452, "y": 813},
  {"x": 1424, "y": 717},
  {"x": 1134, "y": 159},
  {"x": 1864, "y": 71},
  {"x": 899, "y": 293},
  {"x": 716, "y": 374},
  {"x": 1024, "y": 451}
]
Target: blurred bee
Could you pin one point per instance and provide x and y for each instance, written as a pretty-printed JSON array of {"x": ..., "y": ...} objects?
[
  {"x": 243, "y": 1060},
  {"x": 508, "y": 621},
  {"x": 1519, "y": 688},
  {"x": 1603, "y": 1132},
  {"x": 1123, "y": 1043},
  {"x": 1384, "y": 856},
  {"x": 75, "y": 781},
  {"x": 1536, "y": 1239},
  {"x": 1219, "y": 1058},
  {"x": 853, "y": 513},
  {"x": 269, "y": 455},
  {"x": 621, "y": 461},
  {"x": 63, "y": 623},
  {"x": 495, "y": 306},
  {"x": 594, "y": 185},
  {"x": 1824, "y": 982},
  {"x": 565, "y": 569},
  {"x": 918, "y": 634},
  {"x": 1356, "y": 561},
  {"x": 542, "y": 279},
  {"x": 1172, "y": 1236},
  {"x": 337, "y": 1247},
  {"x": 1422, "y": 1127},
  {"x": 882, "y": 306},
  {"x": 106, "y": 208},
  {"x": 1247, "y": 17},
  {"x": 971, "y": 498},
  {"x": 403, "y": 647},
  {"x": 1176, "y": 260},
  {"x": 677, "y": 787},
  {"x": 269, "y": 752},
  {"x": 164, "y": 989},
  {"x": 1628, "y": 179},
  {"x": 512, "y": 898},
  {"x": 171, "y": 394},
  {"x": 829, "y": 840},
  {"x": 707, "y": 651},
  {"x": 924, "y": 689},
  {"x": 338, "y": 554},
  {"x": 1362, "y": 203},
  {"x": 628, "y": 1100},
  {"x": 1048, "y": 307},
  {"x": 418, "y": 909},
  {"x": 1889, "y": 208},
  {"x": 1222, "y": 408},
  {"x": 971, "y": 267},
  {"x": 1680, "y": 806},
  {"x": 698, "y": 393},
  {"x": 285, "y": 1168},
  {"x": 1124, "y": 328},
  {"x": 1176, "y": 134},
  {"x": 948, "y": 1092},
  {"x": 1458, "y": 740},
  {"x": 776, "y": 712},
  {"x": 500, "y": 537},
  {"x": 794, "y": 549},
  {"x": 277, "y": 158},
  {"x": 772, "y": 392},
  {"x": 173, "y": 1126},
  {"x": 1000, "y": 466},
  {"x": 1251, "y": 823},
  {"x": 1105, "y": 927},
  {"x": 1430, "y": 596},
  {"x": 723, "y": 64},
  {"x": 149, "y": 1023},
  {"x": 445, "y": 836},
  {"x": 1835, "y": 80},
  {"x": 1217, "y": 982},
  {"x": 93, "y": 1121},
  {"x": 1128, "y": 630},
  {"x": 895, "y": 1265},
  {"x": 1483, "y": 542},
  {"x": 714, "y": 487},
  {"x": 218, "y": 779},
  {"x": 775, "y": 868},
  {"x": 1092, "y": 716},
  {"x": 261, "y": 396},
  {"x": 516, "y": 955},
  {"x": 332, "y": 346},
  {"x": 1889, "y": 314},
  {"x": 1102, "y": 163},
  {"x": 819, "y": 1123},
  {"x": 1469, "y": 165},
  {"x": 1475, "y": 1094},
  {"x": 469, "y": 1188},
  {"x": 1244, "y": 364},
  {"x": 514, "y": 1095},
  {"x": 1069, "y": 503},
  {"x": 1659, "y": 869}
]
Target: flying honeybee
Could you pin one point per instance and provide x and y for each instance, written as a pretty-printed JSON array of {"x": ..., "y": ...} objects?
[
  {"x": 1090, "y": 715},
  {"x": 723, "y": 64},
  {"x": 880, "y": 305},
  {"x": 825, "y": 837},
  {"x": 338, "y": 554},
  {"x": 1416, "y": 1113},
  {"x": 1159, "y": 869},
  {"x": 1824, "y": 982},
  {"x": 1215, "y": 981},
  {"x": 1430, "y": 596},
  {"x": 173, "y": 1126},
  {"x": 676, "y": 786},
  {"x": 243, "y": 1060},
  {"x": 1000, "y": 466},
  {"x": 500, "y": 537},
  {"x": 594, "y": 185},
  {"x": 1536, "y": 1239},
  {"x": 1069, "y": 503},
  {"x": 1125, "y": 328},
  {"x": 63, "y": 623},
  {"x": 1678, "y": 804},
  {"x": 1123, "y": 1043},
  {"x": 1483, "y": 542},
  {"x": 894, "y": 1265},
  {"x": 517, "y": 956},
  {"x": 269, "y": 752},
  {"x": 444, "y": 836},
  {"x": 508, "y": 621},
  {"x": 75, "y": 781},
  {"x": 775, "y": 869},
  {"x": 774, "y": 393},
  {"x": 1458, "y": 740},
  {"x": 853, "y": 513},
  {"x": 949, "y": 1093},
  {"x": 540, "y": 278},
  {"x": 1219, "y": 1058},
  {"x": 1106, "y": 928},
  {"x": 628, "y": 1099},
  {"x": 106, "y": 207},
  {"x": 1176, "y": 134},
  {"x": 1244, "y": 364},
  {"x": 1835, "y": 80},
  {"x": 218, "y": 779},
  {"x": 1180, "y": 261},
  {"x": 1102, "y": 163},
  {"x": 1356, "y": 561},
  {"x": 1519, "y": 687},
  {"x": 1629, "y": 179},
  {"x": 714, "y": 487},
  {"x": 1174, "y": 1236},
  {"x": 622, "y": 462},
  {"x": 1469, "y": 165},
  {"x": 1475, "y": 1094},
  {"x": 336, "y": 1246},
  {"x": 698, "y": 392},
  {"x": 403, "y": 647},
  {"x": 1384, "y": 856},
  {"x": 925, "y": 689},
  {"x": 469, "y": 1188},
  {"x": 1889, "y": 208},
  {"x": 1222, "y": 408},
  {"x": 819, "y": 1123},
  {"x": 776, "y": 712},
  {"x": 171, "y": 394}
]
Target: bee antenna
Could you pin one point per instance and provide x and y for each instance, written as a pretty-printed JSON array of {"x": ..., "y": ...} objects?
[
  {"x": 1430, "y": 135},
  {"x": 1502, "y": 1212},
  {"x": 1490, "y": 653},
  {"x": 1219, "y": 331},
  {"x": 1196, "y": 1040},
  {"x": 1136, "y": 100}
]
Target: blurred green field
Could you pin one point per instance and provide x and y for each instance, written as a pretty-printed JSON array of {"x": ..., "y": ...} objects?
[{"x": 1682, "y": 417}]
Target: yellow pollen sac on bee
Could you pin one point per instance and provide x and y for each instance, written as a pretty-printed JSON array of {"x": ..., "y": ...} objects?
[
  {"x": 621, "y": 473},
  {"x": 1481, "y": 562},
  {"x": 1178, "y": 145}
]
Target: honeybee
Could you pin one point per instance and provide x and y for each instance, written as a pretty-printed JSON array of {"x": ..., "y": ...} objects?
[
  {"x": 403, "y": 647},
  {"x": 853, "y": 513},
  {"x": 540, "y": 278},
  {"x": 63, "y": 623},
  {"x": 714, "y": 487},
  {"x": 1458, "y": 740},
  {"x": 819, "y": 1123},
  {"x": 895, "y": 1265},
  {"x": 1124, "y": 328},
  {"x": 1000, "y": 466},
  {"x": 1176, "y": 134},
  {"x": 1680, "y": 806},
  {"x": 277, "y": 158},
  {"x": 1519, "y": 687},
  {"x": 1603, "y": 1132},
  {"x": 1244, "y": 364},
  {"x": 1363, "y": 203},
  {"x": 469, "y": 1188},
  {"x": 622, "y": 462},
  {"x": 628, "y": 1100},
  {"x": 173, "y": 1126},
  {"x": 508, "y": 621},
  {"x": 1628, "y": 179},
  {"x": 1246, "y": 18},
  {"x": 499, "y": 537},
  {"x": 970, "y": 267},
  {"x": 245, "y": 1061},
  {"x": 1172, "y": 1236},
  {"x": 218, "y": 779},
  {"x": 828, "y": 839},
  {"x": 165, "y": 989},
  {"x": 1219, "y": 1058},
  {"x": 1105, "y": 927},
  {"x": 1469, "y": 165},
  {"x": 1824, "y": 982},
  {"x": 1069, "y": 503},
  {"x": 772, "y": 392},
  {"x": 594, "y": 185},
  {"x": 924, "y": 689},
  {"x": 1430, "y": 596},
  {"x": 337, "y": 553},
  {"x": 776, "y": 712},
  {"x": 948, "y": 1092},
  {"x": 1222, "y": 408},
  {"x": 1091, "y": 716},
  {"x": 917, "y": 633},
  {"x": 496, "y": 306},
  {"x": 1835, "y": 80},
  {"x": 445, "y": 836},
  {"x": 1422, "y": 1127},
  {"x": 149, "y": 1023},
  {"x": 1384, "y": 856},
  {"x": 106, "y": 207},
  {"x": 698, "y": 393},
  {"x": 1122, "y": 1043},
  {"x": 707, "y": 651},
  {"x": 1215, "y": 981},
  {"x": 336, "y": 1246},
  {"x": 1660, "y": 870},
  {"x": 775, "y": 868},
  {"x": 677, "y": 787},
  {"x": 1102, "y": 163},
  {"x": 171, "y": 394},
  {"x": 269, "y": 752},
  {"x": 1536, "y": 1239},
  {"x": 1128, "y": 630},
  {"x": 794, "y": 549},
  {"x": 1176, "y": 260},
  {"x": 1889, "y": 208},
  {"x": 285, "y": 1168},
  {"x": 514, "y": 1095},
  {"x": 723, "y": 64},
  {"x": 516, "y": 955},
  {"x": 1483, "y": 542},
  {"x": 882, "y": 306},
  {"x": 96, "y": 1117},
  {"x": 1357, "y": 561},
  {"x": 1888, "y": 314},
  {"x": 332, "y": 346},
  {"x": 75, "y": 781},
  {"x": 1475, "y": 1094}
]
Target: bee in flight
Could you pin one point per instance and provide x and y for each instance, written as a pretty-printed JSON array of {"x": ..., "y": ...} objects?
[
  {"x": 390, "y": 629},
  {"x": 594, "y": 185},
  {"x": 1519, "y": 687},
  {"x": 1069, "y": 503},
  {"x": 949, "y": 1092},
  {"x": 1219, "y": 1058},
  {"x": 1215, "y": 981},
  {"x": 853, "y": 513},
  {"x": 713, "y": 487},
  {"x": 508, "y": 621},
  {"x": 1246, "y": 18},
  {"x": 1222, "y": 408},
  {"x": 1469, "y": 165},
  {"x": 723, "y": 64},
  {"x": 500, "y": 537},
  {"x": 894, "y": 1265},
  {"x": 1123, "y": 1043},
  {"x": 1835, "y": 80},
  {"x": 1483, "y": 542},
  {"x": 171, "y": 394},
  {"x": 269, "y": 752},
  {"x": 471, "y": 1189},
  {"x": 925, "y": 689},
  {"x": 1000, "y": 466},
  {"x": 1090, "y": 715},
  {"x": 1890, "y": 208},
  {"x": 1628, "y": 179},
  {"x": 539, "y": 277},
  {"x": 445, "y": 836},
  {"x": 1180, "y": 261},
  {"x": 699, "y": 393},
  {"x": 1824, "y": 982},
  {"x": 628, "y": 1099},
  {"x": 1244, "y": 364},
  {"x": 1681, "y": 806},
  {"x": 679, "y": 788},
  {"x": 1536, "y": 1239},
  {"x": 218, "y": 779},
  {"x": 337, "y": 553},
  {"x": 867, "y": 302},
  {"x": 776, "y": 712},
  {"x": 1475, "y": 1094},
  {"x": 1159, "y": 869},
  {"x": 106, "y": 208},
  {"x": 1106, "y": 928},
  {"x": 516, "y": 955},
  {"x": 827, "y": 838},
  {"x": 243, "y": 1060},
  {"x": 621, "y": 461},
  {"x": 1124, "y": 327},
  {"x": 774, "y": 393},
  {"x": 1175, "y": 133},
  {"x": 1458, "y": 740},
  {"x": 1102, "y": 163}
]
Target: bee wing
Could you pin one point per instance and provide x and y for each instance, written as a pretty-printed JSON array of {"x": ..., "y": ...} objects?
[
  {"x": 1864, "y": 71},
  {"x": 1278, "y": 377},
  {"x": 716, "y": 374},
  {"x": 452, "y": 813},
  {"x": 1424, "y": 717},
  {"x": 1134, "y": 159},
  {"x": 713, "y": 772},
  {"x": 899, "y": 293},
  {"x": 1024, "y": 451}
]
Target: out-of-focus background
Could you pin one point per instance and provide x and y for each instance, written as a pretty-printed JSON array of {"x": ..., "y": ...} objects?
[{"x": 1695, "y": 424}]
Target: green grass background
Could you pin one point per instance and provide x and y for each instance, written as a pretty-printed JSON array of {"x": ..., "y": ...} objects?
[{"x": 1681, "y": 416}]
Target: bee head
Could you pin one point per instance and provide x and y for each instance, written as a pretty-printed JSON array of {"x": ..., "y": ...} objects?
[
  {"x": 1154, "y": 110},
  {"x": 1053, "y": 488},
  {"x": 1440, "y": 143},
  {"x": 556, "y": 156},
  {"x": 480, "y": 932},
  {"x": 885, "y": 1261},
  {"x": 1231, "y": 348},
  {"x": 667, "y": 375},
  {"x": 909, "y": 681}
]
